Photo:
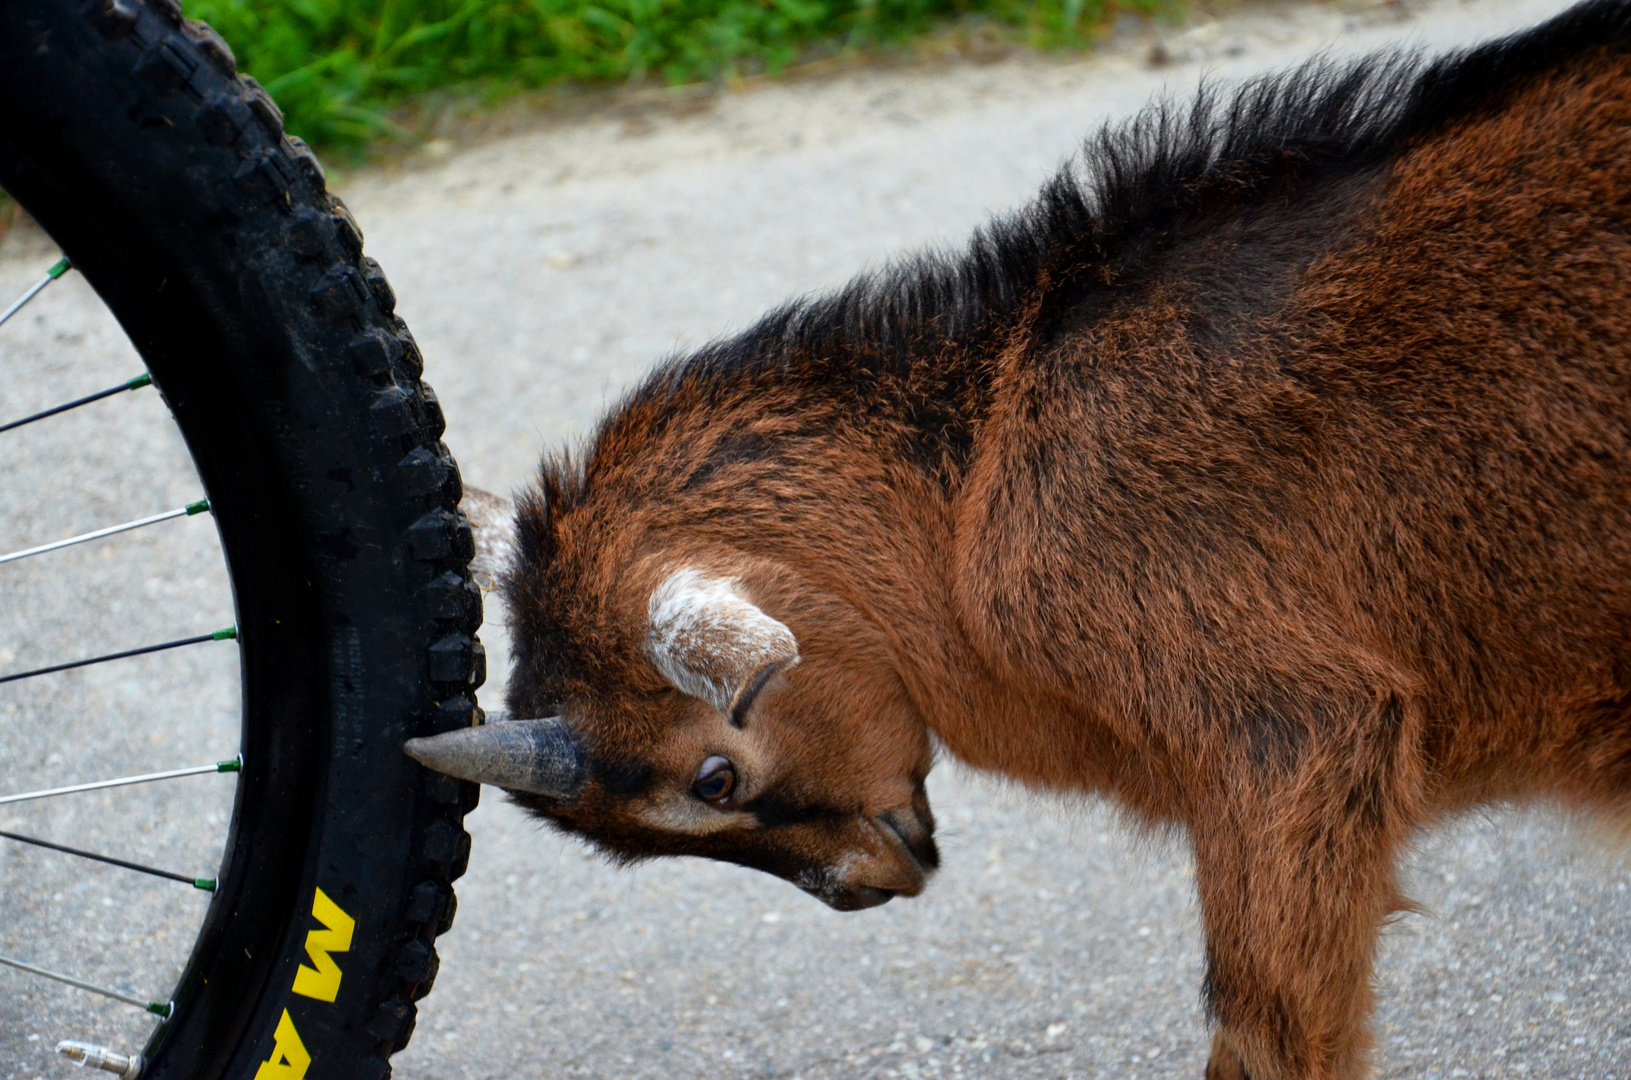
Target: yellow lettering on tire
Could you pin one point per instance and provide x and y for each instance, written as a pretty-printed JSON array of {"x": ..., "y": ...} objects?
[
  {"x": 322, "y": 980},
  {"x": 289, "y": 1060}
]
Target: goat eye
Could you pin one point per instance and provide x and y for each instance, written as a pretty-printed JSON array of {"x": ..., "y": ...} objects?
[{"x": 715, "y": 780}]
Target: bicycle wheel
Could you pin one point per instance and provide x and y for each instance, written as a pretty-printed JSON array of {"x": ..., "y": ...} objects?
[{"x": 167, "y": 180}]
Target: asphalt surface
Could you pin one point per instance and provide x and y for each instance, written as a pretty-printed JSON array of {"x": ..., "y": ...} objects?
[{"x": 542, "y": 274}]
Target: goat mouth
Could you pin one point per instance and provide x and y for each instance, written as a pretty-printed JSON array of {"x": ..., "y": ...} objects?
[{"x": 902, "y": 829}]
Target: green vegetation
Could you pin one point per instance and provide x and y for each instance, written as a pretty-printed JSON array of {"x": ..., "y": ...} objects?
[{"x": 339, "y": 67}]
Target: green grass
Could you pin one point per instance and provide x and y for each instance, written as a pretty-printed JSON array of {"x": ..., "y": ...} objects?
[{"x": 339, "y": 68}]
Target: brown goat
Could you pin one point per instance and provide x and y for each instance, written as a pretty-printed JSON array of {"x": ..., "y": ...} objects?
[{"x": 1270, "y": 475}]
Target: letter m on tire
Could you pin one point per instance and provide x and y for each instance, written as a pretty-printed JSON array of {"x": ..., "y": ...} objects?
[{"x": 322, "y": 979}]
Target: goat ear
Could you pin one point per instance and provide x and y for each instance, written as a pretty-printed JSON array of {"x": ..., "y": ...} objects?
[
  {"x": 712, "y": 643},
  {"x": 492, "y": 520}
]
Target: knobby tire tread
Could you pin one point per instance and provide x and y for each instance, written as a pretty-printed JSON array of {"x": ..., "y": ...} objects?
[{"x": 297, "y": 341}]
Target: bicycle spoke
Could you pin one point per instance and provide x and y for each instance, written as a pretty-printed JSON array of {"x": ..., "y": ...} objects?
[
  {"x": 129, "y": 384},
  {"x": 204, "y": 883},
  {"x": 230, "y": 766},
  {"x": 61, "y": 267},
  {"x": 184, "y": 511},
  {"x": 229, "y": 634},
  {"x": 157, "y": 1008}
]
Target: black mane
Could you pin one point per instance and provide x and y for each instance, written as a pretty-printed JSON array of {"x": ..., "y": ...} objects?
[{"x": 1132, "y": 183}]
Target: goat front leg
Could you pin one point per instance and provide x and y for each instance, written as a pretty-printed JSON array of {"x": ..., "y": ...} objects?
[{"x": 1292, "y": 900}]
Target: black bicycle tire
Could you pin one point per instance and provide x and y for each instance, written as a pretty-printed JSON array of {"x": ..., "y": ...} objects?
[{"x": 166, "y": 178}]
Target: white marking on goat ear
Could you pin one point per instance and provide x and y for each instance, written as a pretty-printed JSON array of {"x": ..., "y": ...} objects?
[{"x": 711, "y": 642}]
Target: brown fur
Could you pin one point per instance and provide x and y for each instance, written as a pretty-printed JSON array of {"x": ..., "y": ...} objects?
[{"x": 1299, "y": 521}]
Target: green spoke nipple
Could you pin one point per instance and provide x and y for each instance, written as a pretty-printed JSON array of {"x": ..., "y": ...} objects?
[
  {"x": 205, "y": 883},
  {"x": 62, "y": 267},
  {"x": 198, "y": 507},
  {"x": 235, "y": 765},
  {"x": 161, "y": 1008},
  {"x": 229, "y": 634},
  {"x": 139, "y": 381}
]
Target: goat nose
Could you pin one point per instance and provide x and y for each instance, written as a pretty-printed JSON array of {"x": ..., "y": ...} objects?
[{"x": 918, "y": 840}]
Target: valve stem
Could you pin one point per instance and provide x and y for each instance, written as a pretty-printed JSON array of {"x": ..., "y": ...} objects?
[{"x": 100, "y": 1057}]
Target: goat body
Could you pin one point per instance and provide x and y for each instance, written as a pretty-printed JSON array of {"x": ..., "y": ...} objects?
[{"x": 1270, "y": 475}]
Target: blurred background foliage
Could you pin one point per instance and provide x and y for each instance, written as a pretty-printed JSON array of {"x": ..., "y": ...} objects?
[{"x": 339, "y": 68}]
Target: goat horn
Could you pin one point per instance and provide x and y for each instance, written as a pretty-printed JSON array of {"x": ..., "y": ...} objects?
[{"x": 540, "y": 756}]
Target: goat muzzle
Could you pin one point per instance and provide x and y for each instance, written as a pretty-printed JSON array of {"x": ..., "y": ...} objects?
[{"x": 537, "y": 756}]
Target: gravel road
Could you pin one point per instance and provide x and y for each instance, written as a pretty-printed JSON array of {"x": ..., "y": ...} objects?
[{"x": 545, "y": 272}]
